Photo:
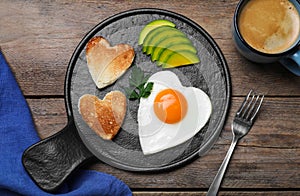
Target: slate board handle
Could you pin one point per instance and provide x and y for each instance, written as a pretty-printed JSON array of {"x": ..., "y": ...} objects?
[{"x": 50, "y": 161}]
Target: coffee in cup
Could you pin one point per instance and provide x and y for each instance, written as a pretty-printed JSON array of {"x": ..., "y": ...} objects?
[
  {"x": 267, "y": 31},
  {"x": 269, "y": 26}
]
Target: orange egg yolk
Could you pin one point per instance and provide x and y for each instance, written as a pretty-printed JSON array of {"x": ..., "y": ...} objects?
[{"x": 170, "y": 106}]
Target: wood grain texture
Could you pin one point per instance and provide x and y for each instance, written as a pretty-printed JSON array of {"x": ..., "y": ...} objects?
[
  {"x": 268, "y": 157},
  {"x": 39, "y": 37}
]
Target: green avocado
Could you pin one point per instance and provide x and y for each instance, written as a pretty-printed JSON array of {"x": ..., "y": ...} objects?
[
  {"x": 172, "y": 44},
  {"x": 161, "y": 34},
  {"x": 167, "y": 45},
  {"x": 152, "y": 25},
  {"x": 180, "y": 58},
  {"x": 151, "y": 35}
]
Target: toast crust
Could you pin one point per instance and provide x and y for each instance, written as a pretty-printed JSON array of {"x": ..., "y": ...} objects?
[
  {"x": 106, "y": 116},
  {"x": 106, "y": 64}
]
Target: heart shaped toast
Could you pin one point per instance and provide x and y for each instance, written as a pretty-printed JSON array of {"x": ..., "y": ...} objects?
[
  {"x": 106, "y": 116},
  {"x": 106, "y": 64}
]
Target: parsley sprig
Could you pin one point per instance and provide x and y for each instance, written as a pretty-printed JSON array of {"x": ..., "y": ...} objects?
[{"x": 138, "y": 86}]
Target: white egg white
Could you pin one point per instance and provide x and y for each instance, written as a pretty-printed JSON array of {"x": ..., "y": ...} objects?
[{"x": 156, "y": 135}]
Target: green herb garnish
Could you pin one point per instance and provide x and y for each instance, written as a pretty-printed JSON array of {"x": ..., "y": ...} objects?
[{"x": 138, "y": 86}]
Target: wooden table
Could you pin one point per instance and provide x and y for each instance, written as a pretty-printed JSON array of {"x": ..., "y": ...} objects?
[{"x": 38, "y": 39}]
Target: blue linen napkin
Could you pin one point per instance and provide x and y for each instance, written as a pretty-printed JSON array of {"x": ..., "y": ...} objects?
[{"x": 17, "y": 132}]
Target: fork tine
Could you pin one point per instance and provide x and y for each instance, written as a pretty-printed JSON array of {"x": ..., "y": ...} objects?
[
  {"x": 246, "y": 111},
  {"x": 258, "y": 107},
  {"x": 243, "y": 104},
  {"x": 252, "y": 107}
]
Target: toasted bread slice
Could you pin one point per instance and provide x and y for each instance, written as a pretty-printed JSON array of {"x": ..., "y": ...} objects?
[
  {"x": 106, "y": 64},
  {"x": 106, "y": 116}
]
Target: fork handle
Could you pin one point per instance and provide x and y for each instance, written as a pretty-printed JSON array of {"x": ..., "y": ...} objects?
[{"x": 214, "y": 187}]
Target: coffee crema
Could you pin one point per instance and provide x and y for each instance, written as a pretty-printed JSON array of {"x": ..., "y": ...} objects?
[{"x": 269, "y": 26}]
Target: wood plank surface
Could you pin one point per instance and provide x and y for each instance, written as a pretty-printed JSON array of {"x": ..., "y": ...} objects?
[
  {"x": 39, "y": 37},
  {"x": 268, "y": 157}
]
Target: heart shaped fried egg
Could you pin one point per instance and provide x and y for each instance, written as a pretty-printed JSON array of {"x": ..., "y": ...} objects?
[{"x": 172, "y": 113}]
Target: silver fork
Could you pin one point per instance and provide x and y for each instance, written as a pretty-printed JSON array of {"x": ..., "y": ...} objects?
[{"x": 241, "y": 125}]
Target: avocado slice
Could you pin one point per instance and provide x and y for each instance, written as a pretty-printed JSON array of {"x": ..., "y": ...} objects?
[
  {"x": 151, "y": 35},
  {"x": 180, "y": 58},
  {"x": 152, "y": 25},
  {"x": 172, "y": 44},
  {"x": 161, "y": 36},
  {"x": 158, "y": 34},
  {"x": 165, "y": 55},
  {"x": 167, "y": 45}
]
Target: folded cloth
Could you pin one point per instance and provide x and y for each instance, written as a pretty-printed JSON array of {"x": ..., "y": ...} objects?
[{"x": 17, "y": 133}]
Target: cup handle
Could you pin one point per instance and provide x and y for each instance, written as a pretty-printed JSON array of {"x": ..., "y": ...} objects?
[
  {"x": 50, "y": 161},
  {"x": 292, "y": 62}
]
